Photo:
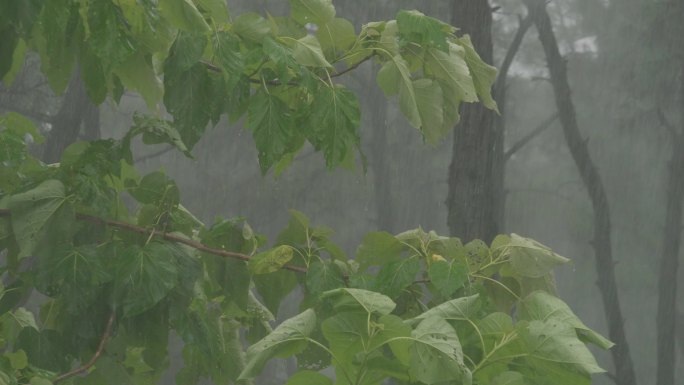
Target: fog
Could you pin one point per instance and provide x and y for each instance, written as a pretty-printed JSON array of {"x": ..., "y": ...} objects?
[{"x": 625, "y": 63}]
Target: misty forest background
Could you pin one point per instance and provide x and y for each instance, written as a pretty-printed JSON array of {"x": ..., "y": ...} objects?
[{"x": 494, "y": 174}]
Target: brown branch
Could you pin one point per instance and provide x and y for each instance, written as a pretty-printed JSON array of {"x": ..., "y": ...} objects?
[
  {"x": 543, "y": 126},
  {"x": 275, "y": 82},
  {"x": 169, "y": 237},
  {"x": 100, "y": 348},
  {"x": 499, "y": 87}
]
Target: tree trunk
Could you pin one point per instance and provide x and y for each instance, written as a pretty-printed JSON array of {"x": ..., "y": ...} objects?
[
  {"x": 475, "y": 198},
  {"x": 592, "y": 181},
  {"x": 667, "y": 281},
  {"x": 66, "y": 125}
]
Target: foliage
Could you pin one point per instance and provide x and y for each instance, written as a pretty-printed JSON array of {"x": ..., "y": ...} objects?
[{"x": 121, "y": 263}]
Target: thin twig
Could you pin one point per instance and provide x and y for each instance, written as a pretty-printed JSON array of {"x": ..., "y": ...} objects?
[
  {"x": 103, "y": 341},
  {"x": 524, "y": 26},
  {"x": 527, "y": 138},
  {"x": 276, "y": 82},
  {"x": 169, "y": 237}
]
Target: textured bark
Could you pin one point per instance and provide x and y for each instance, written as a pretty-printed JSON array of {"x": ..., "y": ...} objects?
[
  {"x": 475, "y": 198},
  {"x": 592, "y": 181},
  {"x": 66, "y": 125}
]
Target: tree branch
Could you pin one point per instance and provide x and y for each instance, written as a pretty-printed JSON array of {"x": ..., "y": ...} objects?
[
  {"x": 527, "y": 138},
  {"x": 169, "y": 237},
  {"x": 500, "y": 86},
  {"x": 100, "y": 348},
  {"x": 275, "y": 82}
]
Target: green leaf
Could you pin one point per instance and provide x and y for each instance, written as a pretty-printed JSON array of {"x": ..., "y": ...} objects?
[
  {"x": 451, "y": 69},
  {"x": 377, "y": 249},
  {"x": 156, "y": 188},
  {"x": 307, "y": 51},
  {"x": 215, "y": 9},
  {"x": 448, "y": 276},
  {"x": 289, "y": 338},
  {"x": 396, "y": 276},
  {"x": 552, "y": 343},
  {"x": 530, "y": 258},
  {"x": 323, "y": 276},
  {"x": 273, "y": 130},
  {"x": 77, "y": 267},
  {"x": 436, "y": 354},
  {"x": 308, "y": 377},
  {"x": 274, "y": 287},
  {"x": 45, "y": 349},
  {"x": 155, "y": 131},
  {"x": 271, "y": 261},
  {"x": 337, "y": 35},
  {"x": 456, "y": 309},
  {"x": 18, "y": 55},
  {"x": 430, "y": 102},
  {"x": 32, "y": 211},
  {"x": 18, "y": 360},
  {"x": 509, "y": 378},
  {"x": 333, "y": 124},
  {"x": 542, "y": 306},
  {"x": 345, "y": 299},
  {"x": 136, "y": 73},
  {"x": 483, "y": 74},
  {"x": 183, "y": 15},
  {"x": 395, "y": 77},
  {"x": 424, "y": 30},
  {"x": 318, "y": 12},
  {"x": 108, "y": 37},
  {"x": 40, "y": 381},
  {"x": 251, "y": 26},
  {"x": 145, "y": 275}
]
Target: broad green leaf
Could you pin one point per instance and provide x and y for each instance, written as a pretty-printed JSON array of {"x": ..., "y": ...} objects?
[
  {"x": 18, "y": 360},
  {"x": 145, "y": 275},
  {"x": 108, "y": 38},
  {"x": 552, "y": 344},
  {"x": 509, "y": 378},
  {"x": 448, "y": 276},
  {"x": 307, "y": 51},
  {"x": 542, "y": 306},
  {"x": 186, "y": 51},
  {"x": 215, "y": 9},
  {"x": 226, "y": 48},
  {"x": 289, "y": 338},
  {"x": 496, "y": 324},
  {"x": 155, "y": 131},
  {"x": 395, "y": 77},
  {"x": 308, "y": 377},
  {"x": 317, "y": 12},
  {"x": 323, "y": 276},
  {"x": 483, "y": 74},
  {"x": 77, "y": 267},
  {"x": 456, "y": 309},
  {"x": 24, "y": 318},
  {"x": 251, "y": 26},
  {"x": 136, "y": 73},
  {"x": 45, "y": 349},
  {"x": 530, "y": 258},
  {"x": 396, "y": 276},
  {"x": 451, "y": 69},
  {"x": 18, "y": 55},
  {"x": 57, "y": 49},
  {"x": 346, "y": 299},
  {"x": 183, "y": 14},
  {"x": 40, "y": 381},
  {"x": 274, "y": 287},
  {"x": 21, "y": 126},
  {"x": 156, "y": 188},
  {"x": 424, "y": 30},
  {"x": 436, "y": 355},
  {"x": 430, "y": 102},
  {"x": 271, "y": 261},
  {"x": 32, "y": 211},
  {"x": 377, "y": 249},
  {"x": 337, "y": 35},
  {"x": 333, "y": 124},
  {"x": 347, "y": 334},
  {"x": 273, "y": 129}
]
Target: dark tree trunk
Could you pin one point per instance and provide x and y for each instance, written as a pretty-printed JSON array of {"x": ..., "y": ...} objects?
[
  {"x": 475, "y": 198},
  {"x": 667, "y": 281},
  {"x": 592, "y": 181},
  {"x": 66, "y": 125}
]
